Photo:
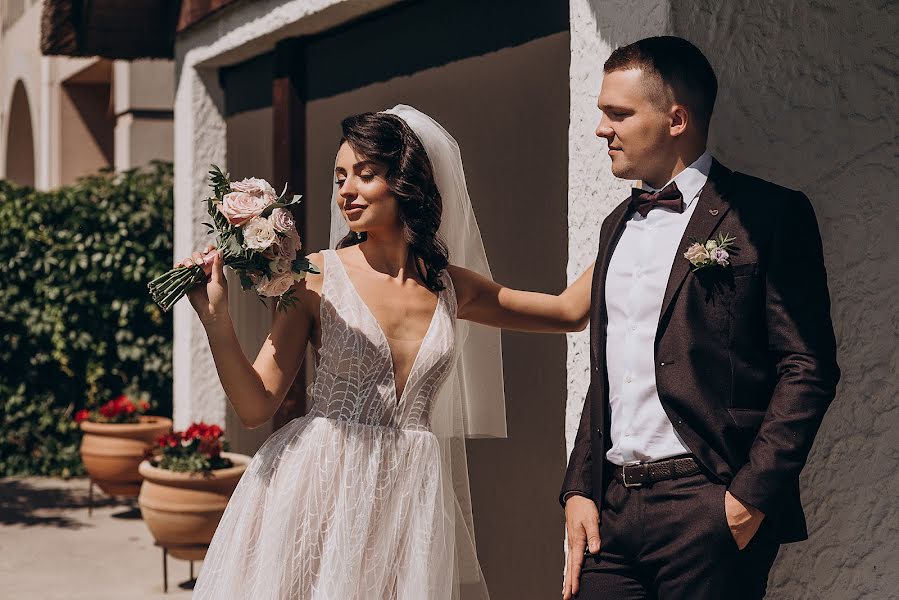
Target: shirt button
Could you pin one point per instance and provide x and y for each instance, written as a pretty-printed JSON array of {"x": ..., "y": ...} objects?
[
  {"x": 627, "y": 379},
  {"x": 633, "y": 328}
]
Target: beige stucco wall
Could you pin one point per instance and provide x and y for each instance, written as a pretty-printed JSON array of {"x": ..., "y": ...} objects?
[
  {"x": 143, "y": 94},
  {"x": 807, "y": 98},
  {"x": 65, "y": 136},
  {"x": 18, "y": 64}
]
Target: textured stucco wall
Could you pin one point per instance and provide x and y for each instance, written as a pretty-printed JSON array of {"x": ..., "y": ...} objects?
[
  {"x": 597, "y": 28},
  {"x": 808, "y": 97}
]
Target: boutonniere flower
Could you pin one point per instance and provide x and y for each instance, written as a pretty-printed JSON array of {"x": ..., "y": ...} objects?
[{"x": 712, "y": 253}]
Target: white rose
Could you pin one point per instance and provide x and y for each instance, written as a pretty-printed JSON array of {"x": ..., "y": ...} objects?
[
  {"x": 277, "y": 285},
  {"x": 258, "y": 233},
  {"x": 696, "y": 254}
]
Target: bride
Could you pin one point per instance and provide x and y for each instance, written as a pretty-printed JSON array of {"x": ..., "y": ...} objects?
[{"x": 366, "y": 497}]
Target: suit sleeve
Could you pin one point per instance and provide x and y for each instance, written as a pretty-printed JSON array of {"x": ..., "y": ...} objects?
[
  {"x": 578, "y": 478},
  {"x": 802, "y": 348}
]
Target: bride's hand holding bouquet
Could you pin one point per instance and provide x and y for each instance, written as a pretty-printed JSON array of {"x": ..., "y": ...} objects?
[{"x": 256, "y": 237}]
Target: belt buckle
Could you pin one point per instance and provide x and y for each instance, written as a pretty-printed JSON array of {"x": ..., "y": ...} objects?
[{"x": 624, "y": 471}]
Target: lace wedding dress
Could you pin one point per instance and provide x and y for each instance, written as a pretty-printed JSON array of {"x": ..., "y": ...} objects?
[{"x": 349, "y": 501}]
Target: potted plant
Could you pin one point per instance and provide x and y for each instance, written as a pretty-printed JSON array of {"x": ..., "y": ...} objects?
[
  {"x": 188, "y": 479},
  {"x": 116, "y": 439}
]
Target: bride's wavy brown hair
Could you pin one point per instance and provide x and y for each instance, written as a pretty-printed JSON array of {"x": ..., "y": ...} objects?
[{"x": 388, "y": 139}]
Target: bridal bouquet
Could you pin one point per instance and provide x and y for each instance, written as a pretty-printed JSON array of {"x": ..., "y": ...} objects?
[{"x": 256, "y": 236}]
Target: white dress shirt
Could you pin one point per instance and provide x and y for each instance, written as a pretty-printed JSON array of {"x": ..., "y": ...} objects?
[{"x": 635, "y": 287}]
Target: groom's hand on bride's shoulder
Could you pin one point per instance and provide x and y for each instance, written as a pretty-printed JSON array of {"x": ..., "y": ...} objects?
[{"x": 582, "y": 523}]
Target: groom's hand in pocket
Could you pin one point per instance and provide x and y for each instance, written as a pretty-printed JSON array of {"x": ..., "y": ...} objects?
[
  {"x": 582, "y": 523},
  {"x": 743, "y": 519}
]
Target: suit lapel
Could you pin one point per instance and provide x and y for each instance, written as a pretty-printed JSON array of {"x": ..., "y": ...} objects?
[
  {"x": 617, "y": 221},
  {"x": 711, "y": 207}
]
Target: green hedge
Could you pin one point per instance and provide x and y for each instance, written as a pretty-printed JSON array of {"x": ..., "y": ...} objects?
[{"x": 78, "y": 326}]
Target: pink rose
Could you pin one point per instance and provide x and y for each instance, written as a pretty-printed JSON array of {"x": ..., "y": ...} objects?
[
  {"x": 288, "y": 245},
  {"x": 277, "y": 285},
  {"x": 240, "y": 207},
  {"x": 255, "y": 187},
  {"x": 282, "y": 220}
]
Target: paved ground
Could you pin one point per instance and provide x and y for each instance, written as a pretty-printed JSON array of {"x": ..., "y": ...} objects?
[{"x": 50, "y": 549}]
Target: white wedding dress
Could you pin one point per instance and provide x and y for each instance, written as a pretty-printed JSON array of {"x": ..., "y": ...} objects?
[{"x": 348, "y": 502}]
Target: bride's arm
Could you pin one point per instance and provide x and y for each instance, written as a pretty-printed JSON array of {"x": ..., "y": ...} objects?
[
  {"x": 256, "y": 390},
  {"x": 484, "y": 301}
]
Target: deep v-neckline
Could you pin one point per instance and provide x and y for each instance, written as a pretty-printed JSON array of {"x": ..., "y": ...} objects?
[{"x": 399, "y": 396}]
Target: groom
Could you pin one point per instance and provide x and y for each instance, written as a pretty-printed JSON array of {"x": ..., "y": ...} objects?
[{"x": 710, "y": 374}]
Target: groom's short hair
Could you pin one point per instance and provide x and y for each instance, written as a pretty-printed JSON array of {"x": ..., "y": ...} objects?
[{"x": 680, "y": 70}]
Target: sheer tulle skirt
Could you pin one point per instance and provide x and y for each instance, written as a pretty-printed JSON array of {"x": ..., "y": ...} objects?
[{"x": 329, "y": 509}]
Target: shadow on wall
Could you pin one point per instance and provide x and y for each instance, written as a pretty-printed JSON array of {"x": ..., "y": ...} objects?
[{"x": 807, "y": 99}]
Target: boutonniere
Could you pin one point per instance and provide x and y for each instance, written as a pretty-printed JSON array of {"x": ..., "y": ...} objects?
[{"x": 712, "y": 253}]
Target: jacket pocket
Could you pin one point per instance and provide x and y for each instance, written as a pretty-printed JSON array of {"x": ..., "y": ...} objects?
[
  {"x": 747, "y": 418},
  {"x": 748, "y": 422}
]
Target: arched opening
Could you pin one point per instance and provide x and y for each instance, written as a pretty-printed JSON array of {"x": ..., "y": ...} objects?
[{"x": 20, "y": 139}]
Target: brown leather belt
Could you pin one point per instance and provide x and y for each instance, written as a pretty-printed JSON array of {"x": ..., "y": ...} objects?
[{"x": 636, "y": 475}]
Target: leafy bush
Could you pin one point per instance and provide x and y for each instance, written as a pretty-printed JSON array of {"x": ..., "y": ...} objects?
[{"x": 78, "y": 326}]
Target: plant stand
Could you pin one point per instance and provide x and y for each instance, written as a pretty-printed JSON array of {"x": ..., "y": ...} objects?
[{"x": 195, "y": 552}]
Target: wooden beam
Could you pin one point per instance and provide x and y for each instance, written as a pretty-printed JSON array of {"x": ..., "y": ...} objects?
[
  {"x": 289, "y": 158},
  {"x": 194, "y": 11}
]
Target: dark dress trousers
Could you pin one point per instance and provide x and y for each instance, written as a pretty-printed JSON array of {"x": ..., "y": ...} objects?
[{"x": 745, "y": 355}]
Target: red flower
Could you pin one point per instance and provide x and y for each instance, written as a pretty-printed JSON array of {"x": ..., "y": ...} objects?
[
  {"x": 170, "y": 439},
  {"x": 144, "y": 405},
  {"x": 82, "y": 415}
]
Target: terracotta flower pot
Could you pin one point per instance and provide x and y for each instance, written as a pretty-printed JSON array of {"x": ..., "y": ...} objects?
[
  {"x": 111, "y": 452},
  {"x": 182, "y": 510}
]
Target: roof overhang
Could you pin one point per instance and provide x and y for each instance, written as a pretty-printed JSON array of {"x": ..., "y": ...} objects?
[{"x": 115, "y": 29}]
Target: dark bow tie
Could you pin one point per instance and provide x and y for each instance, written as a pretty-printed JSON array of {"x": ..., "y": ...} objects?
[{"x": 669, "y": 196}]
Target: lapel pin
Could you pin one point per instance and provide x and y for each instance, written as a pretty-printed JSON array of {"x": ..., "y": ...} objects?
[{"x": 713, "y": 212}]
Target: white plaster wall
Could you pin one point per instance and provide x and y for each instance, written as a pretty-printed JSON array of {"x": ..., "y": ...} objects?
[
  {"x": 597, "y": 28},
  {"x": 238, "y": 32},
  {"x": 808, "y": 97}
]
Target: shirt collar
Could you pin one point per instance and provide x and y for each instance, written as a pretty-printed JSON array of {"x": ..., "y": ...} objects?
[{"x": 691, "y": 180}]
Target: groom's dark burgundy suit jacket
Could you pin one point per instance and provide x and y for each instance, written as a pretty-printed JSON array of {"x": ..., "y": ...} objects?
[{"x": 745, "y": 355}]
